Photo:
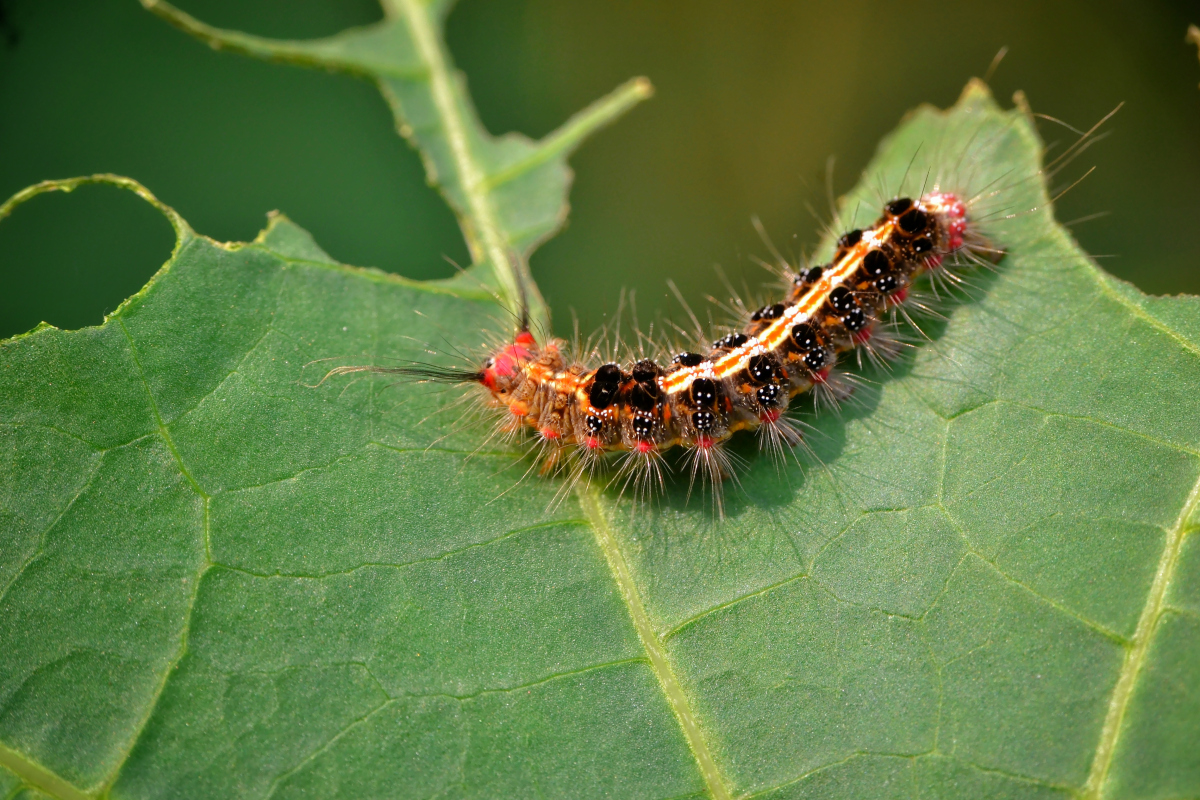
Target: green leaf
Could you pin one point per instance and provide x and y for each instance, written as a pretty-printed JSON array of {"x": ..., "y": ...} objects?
[
  {"x": 509, "y": 193},
  {"x": 219, "y": 581}
]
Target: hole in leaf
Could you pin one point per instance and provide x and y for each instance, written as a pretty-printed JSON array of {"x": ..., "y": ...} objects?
[{"x": 69, "y": 259}]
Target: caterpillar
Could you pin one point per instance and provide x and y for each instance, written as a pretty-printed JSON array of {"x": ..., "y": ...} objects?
[{"x": 745, "y": 380}]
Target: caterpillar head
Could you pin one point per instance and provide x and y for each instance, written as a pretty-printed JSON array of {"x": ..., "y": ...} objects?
[{"x": 503, "y": 372}]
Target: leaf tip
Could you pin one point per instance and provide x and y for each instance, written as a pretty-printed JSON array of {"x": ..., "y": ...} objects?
[
  {"x": 643, "y": 89},
  {"x": 1022, "y": 103},
  {"x": 976, "y": 90}
]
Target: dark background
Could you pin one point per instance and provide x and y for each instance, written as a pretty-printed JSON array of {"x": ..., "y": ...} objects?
[{"x": 753, "y": 97}]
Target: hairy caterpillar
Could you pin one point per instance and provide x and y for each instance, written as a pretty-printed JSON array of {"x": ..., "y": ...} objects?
[
  {"x": 742, "y": 381},
  {"x": 579, "y": 410}
]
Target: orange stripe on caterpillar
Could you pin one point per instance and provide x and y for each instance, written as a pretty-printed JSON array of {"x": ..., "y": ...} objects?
[{"x": 747, "y": 378}]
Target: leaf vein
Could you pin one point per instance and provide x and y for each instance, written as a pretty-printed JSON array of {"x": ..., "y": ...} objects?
[
  {"x": 831, "y": 764},
  {"x": 543, "y": 680},
  {"x": 162, "y": 428},
  {"x": 56, "y": 429},
  {"x": 402, "y": 564},
  {"x": 1135, "y": 656},
  {"x": 1103, "y": 423},
  {"x": 1094, "y": 626},
  {"x": 470, "y": 173},
  {"x": 39, "y": 777},
  {"x": 41, "y": 543},
  {"x": 315, "y": 754},
  {"x": 730, "y": 603},
  {"x": 191, "y": 605},
  {"x": 1105, "y": 284}
]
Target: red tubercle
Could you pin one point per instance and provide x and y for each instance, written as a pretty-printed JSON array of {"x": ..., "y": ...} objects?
[
  {"x": 509, "y": 360},
  {"x": 948, "y": 202},
  {"x": 549, "y": 433},
  {"x": 645, "y": 445},
  {"x": 705, "y": 442},
  {"x": 863, "y": 336},
  {"x": 956, "y": 229},
  {"x": 955, "y": 212},
  {"x": 503, "y": 364},
  {"x": 899, "y": 296},
  {"x": 769, "y": 415},
  {"x": 592, "y": 443},
  {"x": 821, "y": 375},
  {"x": 934, "y": 261},
  {"x": 525, "y": 339}
]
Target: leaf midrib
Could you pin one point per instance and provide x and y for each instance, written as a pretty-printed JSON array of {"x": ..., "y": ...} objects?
[
  {"x": 714, "y": 781},
  {"x": 471, "y": 175}
]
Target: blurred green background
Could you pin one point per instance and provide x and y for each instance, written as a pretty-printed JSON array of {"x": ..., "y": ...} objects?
[{"x": 753, "y": 97}]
